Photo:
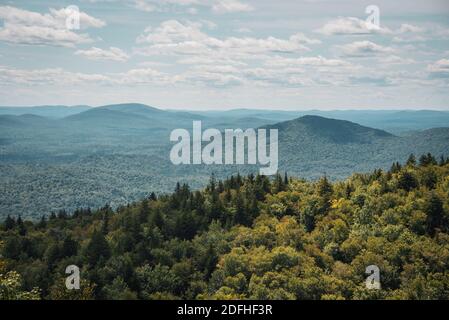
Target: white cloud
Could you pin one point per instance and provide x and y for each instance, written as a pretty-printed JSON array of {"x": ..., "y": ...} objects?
[
  {"x": 175, "y": 38},
  {"x": 33, "y": 28},
  {"x": 408, "y": 28},
  {"x": 318, "y": 61},
  {"x": 351, "y": 26},
  {"x": 439, "y": 69},
  {"x": 365, "y": 48},
  {"x": 216, "y": 6},
  {"x": 393, "y": 59},
  {"x": 226, "y": 6},
  {"x": 144, "y": 5},
  {"x": 113, "y": 53},
  {"x": 61, "y": 77}
]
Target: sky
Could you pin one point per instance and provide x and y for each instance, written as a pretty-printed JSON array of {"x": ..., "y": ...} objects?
[{"x": 225, "y": 54}]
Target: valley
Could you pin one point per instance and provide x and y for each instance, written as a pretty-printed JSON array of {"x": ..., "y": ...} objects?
[{"x": 119, "y": 154}]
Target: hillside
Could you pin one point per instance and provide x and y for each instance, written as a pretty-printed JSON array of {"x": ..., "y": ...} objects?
[
  {"x": 246, "y": 238},
  {"x": 320, "y": 129},
  {"x": 117, "y": 156},
  {"x": 311, "y": 146},
  {"x": 56, "y": 112}
]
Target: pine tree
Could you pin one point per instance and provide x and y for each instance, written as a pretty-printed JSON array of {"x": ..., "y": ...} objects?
[
  {"x": 407, "y": 181},
  {"x": 395, "y": 167},
  {"x": 411, "y": 161},
  {"x": 241, "y": 216},
  {"x": 156, "y": 219},
  {"x": 21, "y": 226},
  {"x": 427, "y": 159},
  {"x": 10, "y": 223},
  {"x": 152, "y": 197},
  {"x": 43, "y": 222},
  {"x": 98, "y": 248},
  {"x": 69, "y": 247},
  {"x": 435, "y": 214},
  {"x": 144, "y": 212},
  {"x": 324, "y": 187}
]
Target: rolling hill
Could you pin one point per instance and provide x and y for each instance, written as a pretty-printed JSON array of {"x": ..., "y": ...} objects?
[{"x": 119, "y": 153}]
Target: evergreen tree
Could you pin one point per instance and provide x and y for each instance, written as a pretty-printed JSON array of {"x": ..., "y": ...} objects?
[
  {"x": 69, "y": 247},
  {"x": 241, "y": 216},
  {"x": 9, "y": 223},
  {"x": 411, "y": 161},
  {"x": 42, "y": 222},
  {"x": 396, "y": 167},
  {"x": 21, "y": 226},
  {"x": 435, "y": 214},
  {"x": 97, "y": 248},
  {"x": 152, "y": 196},
  {"x": 407, "y": 181},
  {"x": 427, "y": 159},
  {"x": 144, "y": 212}
]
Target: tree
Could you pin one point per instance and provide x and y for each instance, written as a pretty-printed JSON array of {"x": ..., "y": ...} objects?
[
  {"x": 59, "y": 291},
  {"x": 97, "y": 248},
  {"x": 157, "y": 279},
  {"x": 144, "y": 212},
  {"x": 118, "y": 290},
  {"x": 69, "y": 247},
  {"x": 435, "y": 214},
  {"x": 324, "y": 187},
  {"x": 43, "y": 222},
  {"x": 396, "y": 167},
  {"x": 21, "y": 226},
  {"x": 411, "y": 161},
  {"x": 10, "y": 288},
  {"x": 407, "y": 181},
  {"x": 427, "y": 159},
  {"x": 9, "y": 223}
]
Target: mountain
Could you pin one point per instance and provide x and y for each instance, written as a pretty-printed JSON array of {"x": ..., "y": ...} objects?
[
  {"x": 107, "y": 117},
  {"x": 394, "y": 121},
  {"x": 311, "y": 146},
  {"x": 56, "y": 112},
  {"x": 318, "y": 129},
  {"x": 117, "y": 154},
  {"x": 134, "y": 116}
]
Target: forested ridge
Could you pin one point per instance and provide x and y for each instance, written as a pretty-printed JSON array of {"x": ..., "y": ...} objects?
[{"x": 246, "y": 238}]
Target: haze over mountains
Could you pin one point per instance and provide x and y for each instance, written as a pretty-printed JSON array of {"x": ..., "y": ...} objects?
[
  {"x": 70, "y": 157},
  {"x": 394, "y": 121}
]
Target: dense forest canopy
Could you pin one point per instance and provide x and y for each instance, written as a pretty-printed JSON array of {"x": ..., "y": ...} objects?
[{"x": 246, "y": 238}]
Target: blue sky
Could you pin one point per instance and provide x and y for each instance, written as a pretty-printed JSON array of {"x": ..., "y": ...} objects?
[{"x": 223, "y": 54}]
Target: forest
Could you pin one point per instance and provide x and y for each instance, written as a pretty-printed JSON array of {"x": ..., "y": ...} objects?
[{"x": 246, "y": 237}]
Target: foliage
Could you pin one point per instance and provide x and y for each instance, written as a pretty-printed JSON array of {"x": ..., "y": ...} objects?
[{"x": 246, "y": 238}]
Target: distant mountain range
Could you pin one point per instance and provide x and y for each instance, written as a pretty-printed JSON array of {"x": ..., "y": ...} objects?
[
  {"x": 72, "y": 157},
  {"x": 394, "y": 121}
]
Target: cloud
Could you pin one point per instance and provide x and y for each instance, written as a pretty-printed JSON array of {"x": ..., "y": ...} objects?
[
  {"x": 364, "y": 48},
  {"x": 227, "y": 6},
  {"x": 175, "y": 38},
  {"x": 439, "y": 69},
  {"x": 408, "y": 28},
  {"x": 33, "y": 28},
  {"x": 393, "y": 59},
  {"x": 216, "y": 6},
  {"x": 164, "y": 5},
  {"x": 61, "y": 77},
  {"x": 318, "y": 61},
  {"x": 113, "y": 53},
  {"x": 351, "y": 26}
]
